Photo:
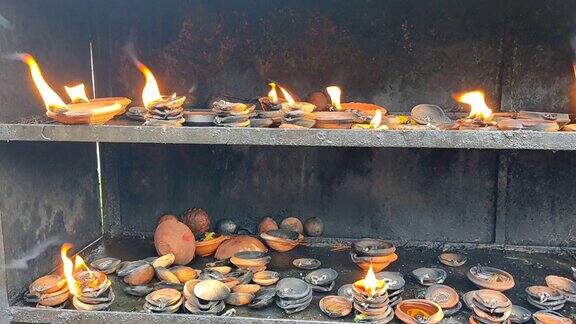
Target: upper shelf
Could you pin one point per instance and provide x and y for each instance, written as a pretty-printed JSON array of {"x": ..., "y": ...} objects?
[{"x": 130, "y": 132}]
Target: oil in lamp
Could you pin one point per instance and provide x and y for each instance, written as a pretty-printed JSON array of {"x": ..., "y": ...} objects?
[
  {"x": 291, "y": 104},
  {"x": 370, "y": 299},
  {"x": 81, "y": 110},
  {"x": 160, "y": 110}
]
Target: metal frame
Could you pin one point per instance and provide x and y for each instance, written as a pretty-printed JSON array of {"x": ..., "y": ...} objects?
[{"x": 517, "y": 140}]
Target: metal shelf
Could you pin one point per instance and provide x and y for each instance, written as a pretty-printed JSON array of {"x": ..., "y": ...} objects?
[{"x": 122, "y": 131}]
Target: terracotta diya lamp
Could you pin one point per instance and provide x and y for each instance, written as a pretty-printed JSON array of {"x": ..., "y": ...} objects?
[
  {"x": 371, "y": 300},
  {"x": 444, "y": 296},
  {"x": 161, "y": 110},
  {"x": 49, "y": 291},
  {"x": 282, "y": 240},
  {"x": 417, "y": 311},
  {"x": 566, "y": 286},
  {"x": 238, "y": 244},
  {"x": 209, "y": 243},
  {"x": 81, "y": 110},
  {"x": 174, "y": 237},
  {"x": 335, "y": 306},
  {"x": 426, "y": 114},
  {"x": 291, "y": 104},
  {"x": 490, "y": 278},
  {"x": 490, "y": 306},
  {"x": 480, "y": 116},
  {"x": 373, "y": 252},
  {"x": 550, "y": 317},
  {"x": 251, "y": 260},
  {"x": 544, "y": 297}
]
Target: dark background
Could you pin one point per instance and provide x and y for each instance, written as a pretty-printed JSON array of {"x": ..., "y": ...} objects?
[{"x": 396, "y": 53}]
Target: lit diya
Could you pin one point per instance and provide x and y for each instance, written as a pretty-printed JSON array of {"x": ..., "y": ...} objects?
[
  {"x": 160, "y": 110},
  {"x": 91, "y": 289},
  {"x": 370, "y": 299},
  {"x": 480, "y": 116},
  {"x": 81, "y": 110}
]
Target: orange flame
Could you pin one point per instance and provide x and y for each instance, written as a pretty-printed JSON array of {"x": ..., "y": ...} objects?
[
  {"x": 287, "y": 96},
  {"x": 68, "y": 269},
  {"x": 273, "y": 94},
  {"x": 51, "y": 99},
  {"x": 335, "y": 93},
  {"x": 478, "y": 107},
  {"x": 370, "y": 282},
  {"x": 151, "y": 92},
  {"x": 77, "y": 93},
  {"x": 377, "y": 119}
]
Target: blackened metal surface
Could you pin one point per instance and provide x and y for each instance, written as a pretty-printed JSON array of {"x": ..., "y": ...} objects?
[
  {"x": 58, "y": 34},
  {"x": 395, "y": 53},
  {"x": 541, "y": 203},
  {"x": 48, "y": 195},
  {"x": 119, "y": 132},
  {"x": 527, "y": 268},
  {"x": 538, "y": 59},
  {"x": 424, "y": 195}
]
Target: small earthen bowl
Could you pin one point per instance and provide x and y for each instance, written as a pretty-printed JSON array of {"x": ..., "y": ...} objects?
[{"x": 209, "y": 247}]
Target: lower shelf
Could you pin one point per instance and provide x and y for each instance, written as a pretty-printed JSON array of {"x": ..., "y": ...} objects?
[{"x": 527, "y": 268}]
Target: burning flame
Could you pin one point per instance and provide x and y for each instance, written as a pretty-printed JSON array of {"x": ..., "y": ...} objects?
[
  {"x": 151, "y": 92},
  {"x": 273, "y": 94},
  {"x": 377, "y": 119},
  {"x": 77, "y": 93},
  {"x": 51, "y": 99},
  {"x": 477, "y": 103},
  {"x": 287, "y": 96},
  {"x": 370, "y": 282},
  {"x": 68, "y": 269},
  {"x": 335, "y": 93}
]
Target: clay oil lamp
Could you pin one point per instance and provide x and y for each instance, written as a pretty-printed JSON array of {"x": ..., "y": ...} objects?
[
  {"x": 205, "y": 296},
  {"x": 271, "y": 112},
  {"x": 416, "y": 311},
  {"x": 91, "y": 289},
  {"x": 520, "y": 314},
  {"x": 292, "y": 224},
  {"x": 136, "y": 273},
  {"x": 544, "y": 297},
  {"x": 174, "y": 237},
  {"x": 236, "y": 244},
  {"x": 370, "y": 299},
  {"x": 293, "y": 295},
  {"x": 490, "y": 278},
  {"x": 430, "y": 115},
  {"x": 335, "y": 306},
  {"x": 429, "y": 276},
  {"x": 444, "y": 296},
  {"x": 452, "y": 259},
  {"x": 209, "y": 243},
  {"x": 550, "y": 317},
  {"x": 322, "y": 280},
  {"x": 80, "y": 110},
  {"x": 160, "y": 110},
  {"x": 184, "y": 273},
  {"x": 480, "y": 116},
  {"x": 163, "y": 301},
  {"x": 373, "y": 252},
  {"x": 246, "y": 288},
  {"x": 199, "y": 117},
  {"x": 346, "y": 291},
  {"x": 49, "y": 291},
  {"x": 490, "y": 306},
  {"x": 566, "y": 286},
  {"x": 267, "y": 224},
  {"x": 282, "y": 240},
  {"x": 307, "y": 263},
  {"x": 106, "y": 265},
  {"x": 290, "y": 104},
  {"x": 239, "y": 299},
  {"x": 232, "y": 114},
  {"x": 263, "y": 298},
  {"x": 266, "y": 278},
  {"x": 395, "y": 283},
  {"x": 251, "y": 260},
  {"x": 337, "y": 117}
]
